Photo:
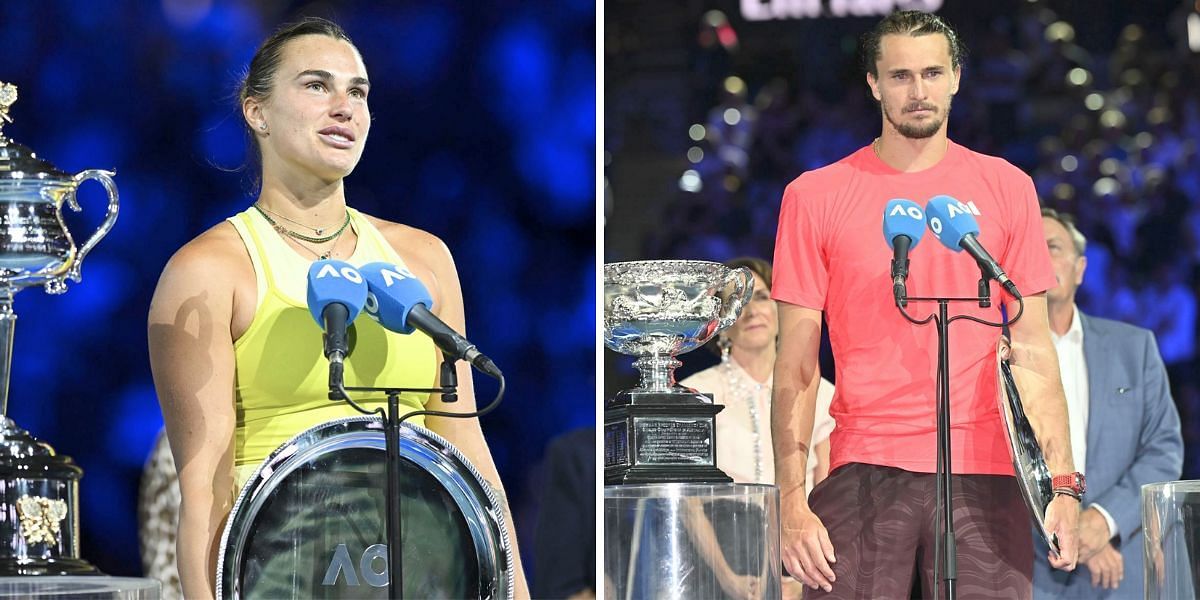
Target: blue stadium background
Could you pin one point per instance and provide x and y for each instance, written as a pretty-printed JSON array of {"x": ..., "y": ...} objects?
[
  {"x": 709, "y": 114},
  {"x": 483, "y": 133}
]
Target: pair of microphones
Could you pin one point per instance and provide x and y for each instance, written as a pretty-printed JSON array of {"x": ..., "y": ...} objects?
[
  {"x": 952, "y": 223},
  {"x": 392, "y": 296}
]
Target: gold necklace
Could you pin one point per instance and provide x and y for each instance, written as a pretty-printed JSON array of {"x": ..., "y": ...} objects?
[
  {"x": 300, "y": 236},
  {"x": 328, "y": 253},
  {"x": 316, "y": 230},
  {"x": 875, "y": 147}
]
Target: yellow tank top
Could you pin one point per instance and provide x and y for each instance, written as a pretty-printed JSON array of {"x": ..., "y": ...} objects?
[{"x": 281, "y": 384}]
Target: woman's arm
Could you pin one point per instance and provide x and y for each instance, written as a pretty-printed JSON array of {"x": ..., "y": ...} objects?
[
  {"x": 191, "y": 357},
  {"x": 432, "y": 263}
]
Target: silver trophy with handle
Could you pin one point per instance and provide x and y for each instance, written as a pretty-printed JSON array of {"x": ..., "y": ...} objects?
[
  {"x": 656, "y": 310},
  {"x": 39, "y": 531}
]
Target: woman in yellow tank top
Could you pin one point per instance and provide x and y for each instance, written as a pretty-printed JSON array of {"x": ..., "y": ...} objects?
[{"x": 237, "y": 361}]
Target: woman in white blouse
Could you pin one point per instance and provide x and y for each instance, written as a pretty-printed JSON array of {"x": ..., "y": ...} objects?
[{"x": 742, "y": 383}]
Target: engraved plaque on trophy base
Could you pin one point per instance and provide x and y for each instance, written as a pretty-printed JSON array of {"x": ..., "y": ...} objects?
[{"x": 661, "y": 437}]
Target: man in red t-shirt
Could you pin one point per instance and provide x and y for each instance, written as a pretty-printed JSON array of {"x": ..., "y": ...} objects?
[{"x": 865, "y": 528}]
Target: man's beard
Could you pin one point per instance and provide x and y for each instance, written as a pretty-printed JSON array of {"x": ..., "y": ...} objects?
[{"x": 918, "y": 131}]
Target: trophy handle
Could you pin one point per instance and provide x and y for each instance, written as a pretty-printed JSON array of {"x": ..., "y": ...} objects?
[
  {"x": 105, "y": 179},
  {"x": 743, "y": 281}
]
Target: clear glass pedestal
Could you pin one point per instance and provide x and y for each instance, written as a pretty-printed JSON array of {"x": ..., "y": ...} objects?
[
  {"x": 688, "y": 540},
  {"x": 1171, "y": 523}
]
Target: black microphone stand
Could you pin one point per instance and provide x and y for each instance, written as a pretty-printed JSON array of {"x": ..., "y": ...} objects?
[
  {"x": 391, "y": 429},
  {"x": 945, "y": 551}
]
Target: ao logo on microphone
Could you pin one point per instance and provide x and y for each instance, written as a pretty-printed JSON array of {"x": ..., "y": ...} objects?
[
  {"x": 349, "y": 273},
  {"x": 953, "y": 209},
  {"x": 913, "y": 211},
  {"x": 394, "y": 274},
  {"x": 958, "y": 207},
  {"x": 390, "y": 276}
]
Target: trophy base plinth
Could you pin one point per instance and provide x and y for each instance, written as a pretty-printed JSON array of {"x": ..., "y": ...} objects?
[
  {"x": 661, "y": 437},
  {"x": 642, "y": 474},
  {"x": 39, "y": 494},
  {"x": 10, "y": 567}
]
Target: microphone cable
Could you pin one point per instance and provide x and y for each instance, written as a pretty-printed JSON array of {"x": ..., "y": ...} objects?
[
  {"x": 341, "y": 387},
  {"x": 1003, "y": 324}
]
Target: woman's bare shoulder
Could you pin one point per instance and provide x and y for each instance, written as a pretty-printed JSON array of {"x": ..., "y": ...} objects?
[
  {"x": 219, "y": 247},
  {"x": 413, "y": 244},
  {"x": 428, "y": 258},
  {"x": 214, "y": 261}
]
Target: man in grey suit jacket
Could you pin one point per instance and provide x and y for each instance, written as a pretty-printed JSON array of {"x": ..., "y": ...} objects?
[{"x": 1124, "y": 426}]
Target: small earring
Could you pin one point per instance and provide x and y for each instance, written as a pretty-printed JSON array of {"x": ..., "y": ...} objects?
[
  {"x": 725, "y": 346},
  {"x": 262, "y": 126}
]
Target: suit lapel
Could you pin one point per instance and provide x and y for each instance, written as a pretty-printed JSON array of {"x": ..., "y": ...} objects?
[{"x": 1099, "y": 395}]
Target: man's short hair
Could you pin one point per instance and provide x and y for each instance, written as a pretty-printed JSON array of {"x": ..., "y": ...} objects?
[
  {"x": 908, "y": 22},
  {"x": 1068, "y": 223}
]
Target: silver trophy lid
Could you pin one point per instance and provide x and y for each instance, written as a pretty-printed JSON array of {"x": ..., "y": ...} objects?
[{"x": 18, "y": 162}]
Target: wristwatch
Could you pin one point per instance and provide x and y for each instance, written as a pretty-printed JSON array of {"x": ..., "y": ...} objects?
[{"x": 1071, "y": 484}]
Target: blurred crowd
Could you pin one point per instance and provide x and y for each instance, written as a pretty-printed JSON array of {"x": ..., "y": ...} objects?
[{"x": 1108, "y": 135}]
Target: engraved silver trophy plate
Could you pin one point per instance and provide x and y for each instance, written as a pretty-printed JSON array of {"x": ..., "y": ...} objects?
[
  {"x": 309, "y": 523},
  {"x": 1029, "y": 465},
  {"x": 39, "y": 534},
  {"x": 657, "y": 310}
]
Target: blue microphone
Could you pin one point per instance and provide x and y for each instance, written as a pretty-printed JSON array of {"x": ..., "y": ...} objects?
[
  {"x": 903, "y": 226},
  {"x": 953, "y": 224},
  {"x": 336, "y": 294},
  {"x": 401, "y": 303}
]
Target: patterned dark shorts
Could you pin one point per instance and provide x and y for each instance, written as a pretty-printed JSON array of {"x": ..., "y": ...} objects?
[{"x": 882, "y": 522}]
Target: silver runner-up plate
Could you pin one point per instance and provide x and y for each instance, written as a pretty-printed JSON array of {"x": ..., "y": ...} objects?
[{"x": 1028, "y": 462}]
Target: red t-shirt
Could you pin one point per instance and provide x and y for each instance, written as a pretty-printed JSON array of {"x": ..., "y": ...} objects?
[{"x": 830, "y": 255}]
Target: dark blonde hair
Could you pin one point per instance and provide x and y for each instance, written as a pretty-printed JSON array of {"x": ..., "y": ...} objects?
[
  {"x": 260, "y": 75},
  {"x": 908, "y": 22}
]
